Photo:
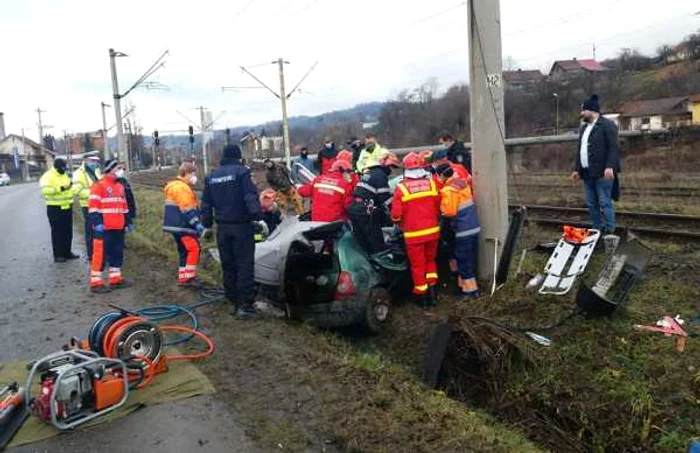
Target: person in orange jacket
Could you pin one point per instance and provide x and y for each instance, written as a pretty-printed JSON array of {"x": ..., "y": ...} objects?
[
  {"x": 330, "y": 193},
  {"x": 109, "y": 218},
  {"x": 458, "y": 205},
  {"x": 416, "y": 208},
  {"x": 182, "y": 219}
]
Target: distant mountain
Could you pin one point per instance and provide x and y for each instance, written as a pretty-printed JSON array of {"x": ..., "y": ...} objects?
[{"x": 362, "y": 113}]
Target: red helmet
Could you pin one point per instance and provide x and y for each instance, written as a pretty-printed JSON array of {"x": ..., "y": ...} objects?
[
  {"x": 413, "y": 161},
  {"x": 341, "y": 165},
  {"x": 388, "y": 159},
  {"x": 345, "y": 155}
]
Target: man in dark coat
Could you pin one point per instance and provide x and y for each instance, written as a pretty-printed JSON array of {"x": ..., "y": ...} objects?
[
  {"x": 231, "y": 199},
  {"x": 597, "y": 164},
  {"x": 457, "y": 153}
]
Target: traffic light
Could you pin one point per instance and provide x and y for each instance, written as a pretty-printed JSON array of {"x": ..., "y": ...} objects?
[
  {"x": 191, "y": 129},
  {"x": 155, "y": 135}
]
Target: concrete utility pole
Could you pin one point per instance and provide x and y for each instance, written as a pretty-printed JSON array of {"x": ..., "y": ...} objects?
[
  {"x": 203, "y": 131},
  {"x": 105, "y": 146},
  {"x": 285, "y": 119},
  {"x": 121, "y": 150},
  {"x": 282, "y": 96},
  {"x": 41, "y": 126},
  {"x": 488, "y": 128}
]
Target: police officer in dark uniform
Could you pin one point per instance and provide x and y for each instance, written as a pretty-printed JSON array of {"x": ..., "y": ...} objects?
[
  {"x": 457, "y": 153},
  {"x": 231, "y": 198},
  {"x": 369, "y": 209}
]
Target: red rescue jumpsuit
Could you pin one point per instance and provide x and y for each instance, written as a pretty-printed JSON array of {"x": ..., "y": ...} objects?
[
  {"x": 330, "y": 195},
  {"x": 107, "y": 206},
  {"x": 416, "y": 206}
]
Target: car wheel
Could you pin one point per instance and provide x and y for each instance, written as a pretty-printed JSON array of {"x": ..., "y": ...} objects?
[{"x": 378, "y": 309}]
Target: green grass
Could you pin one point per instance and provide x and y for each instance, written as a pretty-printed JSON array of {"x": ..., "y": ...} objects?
[{"x": 359, "y": 400}]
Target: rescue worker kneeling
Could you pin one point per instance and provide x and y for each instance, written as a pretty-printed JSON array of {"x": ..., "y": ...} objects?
[
  {"x": 416, "y": 208},
  {"x": 182, "y": 220},
  {"x": 330, "y": 193},
  {"x": 458, "y": 205},
  {"x": 369, "y": 208},
  {"x": 109, "y": 218}
]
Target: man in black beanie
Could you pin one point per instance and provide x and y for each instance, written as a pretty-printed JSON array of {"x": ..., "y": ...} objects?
[
  {"x": 597, "y": 165},
  {"x": 231, "y": 198},
  {"x": 57, "y": 189}
]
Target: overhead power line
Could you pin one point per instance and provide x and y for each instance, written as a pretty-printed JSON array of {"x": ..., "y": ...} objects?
[
  {"x": 306, "y": 7},
  {"x": 242, "y": 10},
  {"x": 425, "y": 19}
]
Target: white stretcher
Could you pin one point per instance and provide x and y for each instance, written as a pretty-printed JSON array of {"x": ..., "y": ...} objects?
[{"x": 558, "y": 277}]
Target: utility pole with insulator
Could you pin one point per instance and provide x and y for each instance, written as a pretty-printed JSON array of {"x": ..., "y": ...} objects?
[
  {"x": 105, "y": 145},
  {"x": 40, "y": 125},
  {"x": 285, "y": 119},
  {"x": 203, "y": 130},
  {"x": 121, "y": 149},
  {"x": 282, "y": 96},
  {"x": 488, "y": 129}
]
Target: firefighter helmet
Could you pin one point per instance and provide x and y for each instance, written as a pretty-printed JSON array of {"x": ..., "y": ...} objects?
[
  {"x": 389, "y": 159},
  {"x": 413, "y": 161},
  {"x": 345, "y": 155},
  {"x": 341, "y": 165}
]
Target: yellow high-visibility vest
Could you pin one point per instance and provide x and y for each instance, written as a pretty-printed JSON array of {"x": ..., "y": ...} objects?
[
  {"x": 82, "y": 181},
  {"x": 51, "y": 183}
]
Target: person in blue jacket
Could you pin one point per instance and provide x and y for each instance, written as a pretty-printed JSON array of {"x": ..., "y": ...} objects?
[{"x": 231, "y": 199}]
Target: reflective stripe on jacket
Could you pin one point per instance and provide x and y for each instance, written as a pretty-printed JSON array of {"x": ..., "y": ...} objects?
[
  {"x": 330, "y": 197},
  {"x": 107, "y": 204},
  {"x": 416, "y": 207},
  {"x": 51, "y": 183},
  {"x": 458, "y": 204},
  {"x": 83, "y": 179},
  {"x": 181, "y": 208}
]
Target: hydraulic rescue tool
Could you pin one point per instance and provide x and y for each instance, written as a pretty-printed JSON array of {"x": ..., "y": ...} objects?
[
  {"x": 77, "y": 386},
  {"x": 13, "y": 412},
  {"x": 92, "y": 377}
]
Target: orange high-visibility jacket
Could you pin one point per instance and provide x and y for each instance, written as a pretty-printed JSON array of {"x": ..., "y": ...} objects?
[
  {"x": 416, "y": 207},
  {"x": 107, "y": 204},
  {"x": 181, "y": 213}
]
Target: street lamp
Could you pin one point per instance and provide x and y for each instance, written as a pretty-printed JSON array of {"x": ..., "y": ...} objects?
[{"x": 556, "y": 99}]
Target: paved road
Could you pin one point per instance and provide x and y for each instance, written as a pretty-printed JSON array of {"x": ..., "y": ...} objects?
[{"x": 43, "y": 304}]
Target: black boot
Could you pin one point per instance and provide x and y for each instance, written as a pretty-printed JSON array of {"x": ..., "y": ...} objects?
[
  {"x": 433, "y": 296},
  {"x": 247, "y": 311}
]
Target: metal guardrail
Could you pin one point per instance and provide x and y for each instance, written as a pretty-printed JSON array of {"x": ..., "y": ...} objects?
[{"x": 512, "y": 142}]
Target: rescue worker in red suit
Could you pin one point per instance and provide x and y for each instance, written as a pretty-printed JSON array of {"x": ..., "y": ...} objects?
[
  {"x": 330, "y": 193},
  {"x": 109, "y": 217},
  {"x": 457, "y": 205},
  {"x": 416, "y": 208},
  {"x": 183, "y": 221}
]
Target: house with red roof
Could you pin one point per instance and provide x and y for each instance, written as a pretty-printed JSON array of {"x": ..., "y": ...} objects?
[{"x": 562, "y": 69}]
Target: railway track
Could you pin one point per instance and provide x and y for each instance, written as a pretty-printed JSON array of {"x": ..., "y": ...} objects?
[
  {"x": 685, "y": 227},
  {"x": 659, "y": 225},
  {"x": 648, "y": 192}
]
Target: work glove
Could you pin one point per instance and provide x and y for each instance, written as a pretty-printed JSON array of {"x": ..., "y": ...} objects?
[
  {"x": 200, "y": 229},
  {"x": 130, "y": 228},
  {"x": 265, "y": 228},
  {"x": 99, "y": 228},
  {"x": 66, "y": 187}
]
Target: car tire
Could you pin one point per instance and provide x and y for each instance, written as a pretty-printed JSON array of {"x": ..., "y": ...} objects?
[{"x": 378, "y": 310}]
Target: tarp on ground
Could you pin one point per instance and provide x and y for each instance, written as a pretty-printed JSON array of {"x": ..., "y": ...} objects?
[{"x": 183, "y": 380}]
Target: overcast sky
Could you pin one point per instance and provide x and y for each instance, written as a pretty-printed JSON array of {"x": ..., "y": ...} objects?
[{"x": 54, "y": 54}]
